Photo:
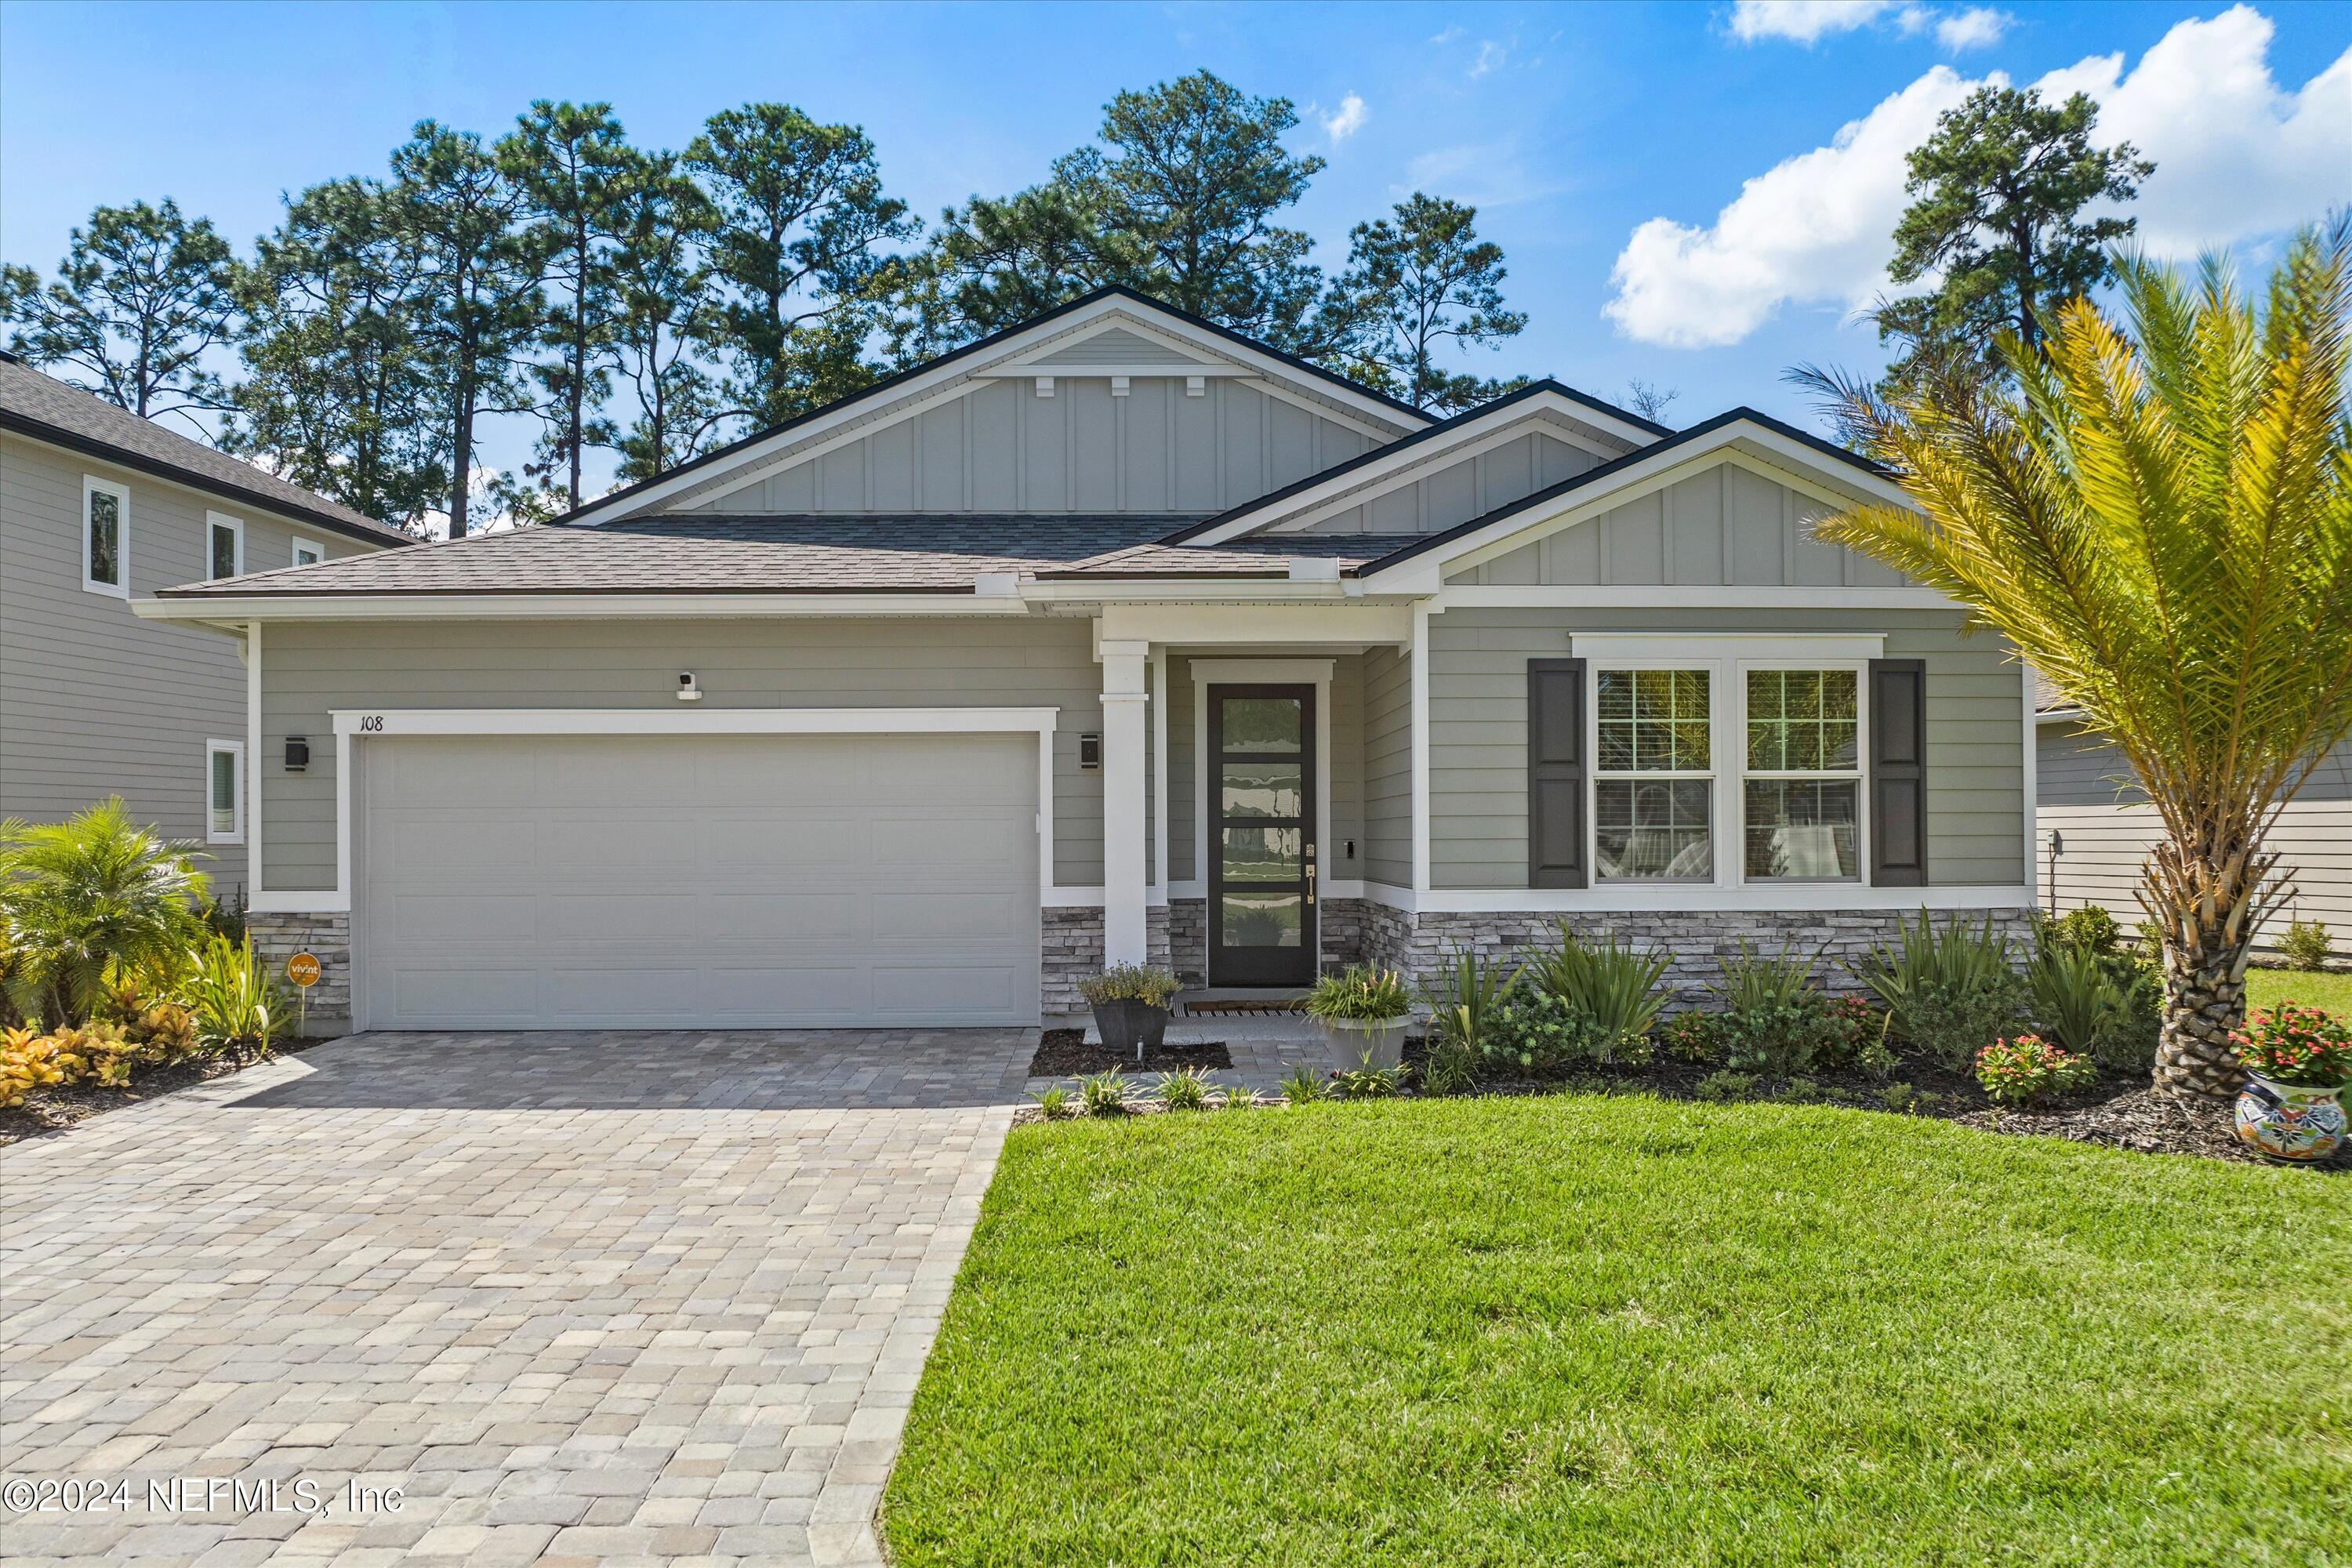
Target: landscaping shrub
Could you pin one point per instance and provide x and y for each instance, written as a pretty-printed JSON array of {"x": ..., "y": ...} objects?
[
  {"x": 1359, "y": 995},
  {"x": 1103, "y": 1094},
  {"x": 1367, "y": 1082},
  {"x": 2096, "y": 998},
  {"x": 1131, "y": 983},
  {"x": 1613, "y": 989},
  {"x": 1237, "y": 1097},
  {"x": 2090, "y": 929},
  {"x": 1693, "y": 1038},
  {"x": 1463, "y": 1005},
  {"x": 2305, "y": 944},
  {"x": 28, "y": 1063},
  {"x": 1186, "y": 1089},
  {"x": 2304, "y": 1045},
  {"x": 2029, "y": 1069},
  {"x": 1774, "y": 1015},
  {"x": 1725, "y": 1086},
  {"x": 1301, "y": 1087},
  {"x": 87, "y": 899},
  {"x": 238, "y": 1004},
  {"x": 1054, "y": 1102},
  {"x": 1949, "y": 990},
  {"x": 1537, "y": 1033}
]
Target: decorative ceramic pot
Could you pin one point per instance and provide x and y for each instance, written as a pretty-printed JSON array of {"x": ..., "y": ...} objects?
[
  {"x": 1128, "y": 1025},
  {"x": 1365, "y": 1042},
  {"x": 2290, "y": 1120}
]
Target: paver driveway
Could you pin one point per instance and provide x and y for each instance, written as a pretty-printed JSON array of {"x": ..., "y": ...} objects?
[{"x": 644, "y": 1297}]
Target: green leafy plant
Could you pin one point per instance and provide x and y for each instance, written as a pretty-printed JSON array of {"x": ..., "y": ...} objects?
[
  {"x": 1775, "y": 1017},
  {"x": 1615, "y": 989},
  {"x": 1365, "y": 1082},
  {"x": 1187, "y": 1088},
  {"x": 2095, "y": 1002},
  {"x": 1536, "y": 1034},
  {"x": 1725, "y": 1086},
  {"x": 88, "y": 897},
  {"x": 1301, "y": 1087},
  {"x": 1054, "y": 1103},
  {"x": 1237, "y": 1097},
  {"x": 2029, "y": 1070},
  {"x": 1359, "y": 995},
  {"x": 2090, "y": 929},
  {"x": 1103, "y": 1094},
  {"x": 2305, "y": 944},
  {"x": 2301, "y": 1046},
  {"x": 1693, "y": 1038},
  {"x": 1131, "y": 983},
  {"x": 1951, "y": 990},
  {"x": 1463, "y": 1004},
  {"x": 237, "y": 1004}
]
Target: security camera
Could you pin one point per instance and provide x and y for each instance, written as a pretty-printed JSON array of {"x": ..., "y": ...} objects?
[{"x": 686, "y": 689}]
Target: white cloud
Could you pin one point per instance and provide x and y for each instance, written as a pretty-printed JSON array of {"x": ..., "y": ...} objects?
[
  {"x": 1802, "y": 21},
  {"x": 1449, "y": 36},
  {"x": 2237, "y": 157},
  {"x": 1347, "y": 119},
  {"x": 1974, "y": 28},
  {"x": 1491, "y": 56},
  {"x": 1484, "y": 174}
]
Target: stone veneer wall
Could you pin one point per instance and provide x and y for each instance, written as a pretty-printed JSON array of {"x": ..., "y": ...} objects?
[
  {"x": 278, "y": 937},
  {"x": 1698, "y": 940},
  {"x": 1188, "y": 939},
  {"x": 1073, "y": 951},
  {"x": 1343, "y": 932}
]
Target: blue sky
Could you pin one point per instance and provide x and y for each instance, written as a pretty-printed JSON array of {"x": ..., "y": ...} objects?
[{"x": 1607, "y": 146}]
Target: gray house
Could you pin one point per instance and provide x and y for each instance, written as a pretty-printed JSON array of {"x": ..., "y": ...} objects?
[
  {"x": 99, "y": 508},
  {"x": 1114, "y": 636}
]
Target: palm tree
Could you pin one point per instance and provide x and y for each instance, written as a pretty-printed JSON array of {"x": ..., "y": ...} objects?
[
  {"x": 77, "y": 896},
  {"x": 2158, "y": 516}
]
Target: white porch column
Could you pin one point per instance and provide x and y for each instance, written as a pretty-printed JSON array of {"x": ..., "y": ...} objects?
[{"x": 1126, "y": 874}]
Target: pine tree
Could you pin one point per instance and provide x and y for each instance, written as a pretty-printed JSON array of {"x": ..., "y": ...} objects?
[
  {"x": 1419, "y": 281},
  {"x": 660, "y": 277}
]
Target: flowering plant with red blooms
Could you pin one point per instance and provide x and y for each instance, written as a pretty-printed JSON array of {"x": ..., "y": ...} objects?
[
  {"x": 2030, "y": 1068},
  {"x": 2300, "y": 1046}
]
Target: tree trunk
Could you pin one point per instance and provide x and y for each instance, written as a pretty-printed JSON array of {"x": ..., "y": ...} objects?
[
  {"x": 2207, "y": 897},
  {"x": 2203, "y": 1002}
]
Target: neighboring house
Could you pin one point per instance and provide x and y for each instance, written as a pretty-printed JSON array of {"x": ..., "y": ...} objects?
[
  {"x": 2096, "y": 829},
  {"x": 98, "y": 508},
  {"x": 1118, "y": 635}
]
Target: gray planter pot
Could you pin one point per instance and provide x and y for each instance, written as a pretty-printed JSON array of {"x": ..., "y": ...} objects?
[
  {"x": 1131, "y": 1026},
  {"x": 1359, "y": 1042}
]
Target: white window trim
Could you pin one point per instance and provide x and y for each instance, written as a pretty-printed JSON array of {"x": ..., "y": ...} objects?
[
  {"x": 295, "y": 556},
  {"x": 1655, "y": 659},
  {"x": 1859, "y": 773},
  {"x": 235, "y": 835},
  {"x": 92, "y": 485},
  {"x": 1314, "y": 672},
  {"x": 236, "y": 526}
]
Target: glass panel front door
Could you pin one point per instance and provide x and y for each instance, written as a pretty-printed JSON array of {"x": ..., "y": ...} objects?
[{"x": 1261, "y": 766}]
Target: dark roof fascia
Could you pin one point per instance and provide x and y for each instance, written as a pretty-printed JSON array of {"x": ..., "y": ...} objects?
[
  {"x": 980, "y": 346},
  {"x": 91, "y": 447},
  {"x": 1610, "y": 470}
]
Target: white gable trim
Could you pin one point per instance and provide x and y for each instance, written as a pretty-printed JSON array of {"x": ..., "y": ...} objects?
[
  {"x": 1789, "y": 463},
  {"x": 928, "y": 387},
  {"x": 1544, "y": 413}
]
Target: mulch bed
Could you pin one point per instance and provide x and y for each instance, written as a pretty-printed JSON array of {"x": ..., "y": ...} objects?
[
  {"x": 58, "y": 1110},
  {"x": 1063, "y": 1053}
]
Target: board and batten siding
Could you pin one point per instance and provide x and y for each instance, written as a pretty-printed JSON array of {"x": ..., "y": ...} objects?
[
  {"x": 1000, "y": 448},
  {"x": 2105, "y": 829},
  {"x": 93, "y": 701},
  {"x": 1459, "y": 490},
  {"x": 1346, "y": 778},
  {"x": 310, "y": 670},
  {"x": 1723, "y": 525},
  {"x": 1478, "y": 731}
]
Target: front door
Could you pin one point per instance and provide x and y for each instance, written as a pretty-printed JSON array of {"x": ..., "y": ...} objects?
[{"x": 1262, "y": 836}]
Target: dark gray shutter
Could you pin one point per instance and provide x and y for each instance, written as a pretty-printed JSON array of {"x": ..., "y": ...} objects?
[
  {"x": 1555, "y": 772},
  {"x": 1898, "y": 772}
]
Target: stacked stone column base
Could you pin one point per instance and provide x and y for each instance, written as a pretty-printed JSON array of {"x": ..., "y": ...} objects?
[{"x": 327, "y": 1010}]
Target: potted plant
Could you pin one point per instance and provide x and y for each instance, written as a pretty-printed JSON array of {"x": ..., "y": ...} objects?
[
  {"x": 1130, "y": 1004},
  {"x": 1364, "y": 1014},
  {"x": 2297, "y": 1060}
]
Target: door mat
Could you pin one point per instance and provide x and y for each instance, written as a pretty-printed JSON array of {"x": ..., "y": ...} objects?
[{"x": 1290, "y": 1008}]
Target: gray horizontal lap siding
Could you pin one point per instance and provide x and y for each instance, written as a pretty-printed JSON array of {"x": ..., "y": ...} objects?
[
  {"x": 1388, "y": 767},
  {"x": 1477, "y": 718},
  {"x": 1000, "y": 448},
  {"x": 93, "y": 701},
  {"x": 312, "y": 669}
]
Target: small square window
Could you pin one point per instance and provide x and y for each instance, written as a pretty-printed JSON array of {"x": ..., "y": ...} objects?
[{"x": 306, "y": 553}]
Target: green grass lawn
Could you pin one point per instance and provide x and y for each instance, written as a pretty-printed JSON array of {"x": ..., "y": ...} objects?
[
  {"x": 1578, "y": 1330},
  {"x": 2328, "y": 989}
]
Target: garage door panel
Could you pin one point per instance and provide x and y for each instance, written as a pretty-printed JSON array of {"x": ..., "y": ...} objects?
[{"x": 583, "y": 881}]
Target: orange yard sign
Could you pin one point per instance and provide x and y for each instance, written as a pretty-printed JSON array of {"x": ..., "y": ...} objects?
[{"x": 302, "y": 969}]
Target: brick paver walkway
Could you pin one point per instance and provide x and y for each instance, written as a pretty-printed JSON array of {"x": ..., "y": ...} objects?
[{"x": 581, "y": 1298}]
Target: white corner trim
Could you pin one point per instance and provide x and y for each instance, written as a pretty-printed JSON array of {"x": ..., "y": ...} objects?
[
  {"x": 1419, "y": 734},
  {"x": 253, "y": 768},
  {"x": 2030, "y": 761},
  {"x": 1314, "y": 672},
  {"x": 1160, "y": 768}
]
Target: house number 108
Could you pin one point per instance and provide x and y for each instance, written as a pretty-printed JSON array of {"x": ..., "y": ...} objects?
[{"x": 370, "y": 721}]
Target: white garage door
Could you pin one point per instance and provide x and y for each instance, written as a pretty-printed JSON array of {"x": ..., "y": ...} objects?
[{"x": 671, "y": 882}]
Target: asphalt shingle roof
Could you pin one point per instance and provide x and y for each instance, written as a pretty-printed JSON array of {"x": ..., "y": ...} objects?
[{"x": 45, "y": 408}]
